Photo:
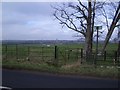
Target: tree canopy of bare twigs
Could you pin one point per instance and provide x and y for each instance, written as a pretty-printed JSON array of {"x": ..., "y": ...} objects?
[
  {"x": 81, "y": 17},
  {"x": 115, "y": 16}
]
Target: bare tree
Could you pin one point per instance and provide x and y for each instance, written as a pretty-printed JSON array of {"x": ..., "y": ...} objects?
[
  {"x": 119, "y": 40},
  {"x": 115, "y": 19},
  {"x": 79, "y": 17}
]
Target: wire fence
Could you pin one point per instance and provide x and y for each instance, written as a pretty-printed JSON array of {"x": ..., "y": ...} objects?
[{"x": 55, "y": 55}]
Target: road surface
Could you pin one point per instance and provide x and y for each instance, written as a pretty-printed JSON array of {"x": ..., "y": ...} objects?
[{"x": 28, "y": 79}]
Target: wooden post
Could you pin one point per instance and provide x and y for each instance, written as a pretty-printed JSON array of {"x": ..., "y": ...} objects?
[
  {"x": 96, "y": 54},
  {"x": 28, "y": 56},
  {"x": 81, "y": 55},
  {"x": 104, "y": 55},
  {"x": 42, "y": 53},
  {"x": 6, "y": 52},
  {"x": 56, "y": 56},
  {"x": 16, "y": 51},
  {"x": 115, "y": 58},
  {"x": 68, "y": 54},
  {"x": 77, "y": 52},
  {"x": 28, "y": 50},
  {"x": 65, "y": 57}
]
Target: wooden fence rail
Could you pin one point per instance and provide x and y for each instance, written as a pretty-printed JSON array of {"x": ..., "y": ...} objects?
[{"x": 55, "y": 54}]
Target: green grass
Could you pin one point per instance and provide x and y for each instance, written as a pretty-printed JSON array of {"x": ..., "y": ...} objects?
[
  {"x": 66, "y": 53},
  {"x": 82, "y": 70},
  {"x": 41, "y": 58}
]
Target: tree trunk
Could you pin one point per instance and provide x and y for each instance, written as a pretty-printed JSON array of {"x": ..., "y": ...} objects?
[
  {"x": 88, "y": 45},
  {"x": 112, "y": 27},
  {"x": 88, "y": 38},
  {"x": 119, "y": 40},
  {"x": 119, "y": 48},
  {"x": 110, "y": 32}
]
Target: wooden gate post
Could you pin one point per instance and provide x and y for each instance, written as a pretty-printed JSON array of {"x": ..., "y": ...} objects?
[
  {"x": 6, "y": 52},
  {"x": 104, "y": 55},
  {"x": 56, "y": 56},
  {"x": 81, "y": 55},
  {"x": 28, "y": 51},
  {"x": 42, "y": 53},
  {"x": 65, "y": 57},
  {"x": 28, "y": 57},
  {"x": 115, "y": 57},
  {"x": 16, "y": 51}
]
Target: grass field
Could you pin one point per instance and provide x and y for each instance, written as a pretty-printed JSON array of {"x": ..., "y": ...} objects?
[{"x": 67, "y": 58}]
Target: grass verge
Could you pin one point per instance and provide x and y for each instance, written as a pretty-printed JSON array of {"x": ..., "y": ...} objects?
[{"x": 82, "y": 70}]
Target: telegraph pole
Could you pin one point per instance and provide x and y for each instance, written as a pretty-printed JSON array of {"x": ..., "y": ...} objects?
[
  {"x": 96, "y": 44},
  {"x": 96, "y": 57}
]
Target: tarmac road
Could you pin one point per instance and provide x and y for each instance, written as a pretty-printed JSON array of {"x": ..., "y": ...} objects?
[{"x": 29, "y": 79}]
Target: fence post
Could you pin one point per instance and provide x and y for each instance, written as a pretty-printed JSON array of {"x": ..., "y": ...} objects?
[
  {"x": 115, "y": 58},
  {"x": 81, "y": 55},
  {"x": 77, "y": 52},
  {"x": 42, "y": 53},
  {"x": 68, "y": 54},
  {"x": 65, "y": 57},
  {"x": 6, "y": 52},
  {"x": 104, "y": 55},
  {"x": 56, "y": 56},
  {"x": 28, "y": 50},
  {"x": 28, "y": 57},
  {"x": 16, "y": 51},
  {"x": 118, "y": 57}
]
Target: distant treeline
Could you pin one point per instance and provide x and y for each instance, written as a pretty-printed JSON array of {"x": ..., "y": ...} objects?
[
  {"x": 40, "y": 42},
  {"x": 51, "y": 42}
]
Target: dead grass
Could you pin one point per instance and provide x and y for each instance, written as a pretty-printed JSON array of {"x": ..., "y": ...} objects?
[{"x": 76, "y": 64}]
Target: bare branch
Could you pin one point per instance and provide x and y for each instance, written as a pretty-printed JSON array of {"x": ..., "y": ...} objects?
[
  {"x": 65, "y": 23},
  {"x": 100, "y": 5},
  {"x": 83, "y": 25},
  {"x": 117, "y": 25},
  {"x": 82, "y": 5},
  {"x": 106, "y": 18},
  {"x": 112, "y": 27},
  {"x": 78, "y": 8},
  {"x": 82, "y": 12}
]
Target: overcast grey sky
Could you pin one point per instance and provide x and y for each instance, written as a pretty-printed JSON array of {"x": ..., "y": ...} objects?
[{"x": 31, "y": 21}]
